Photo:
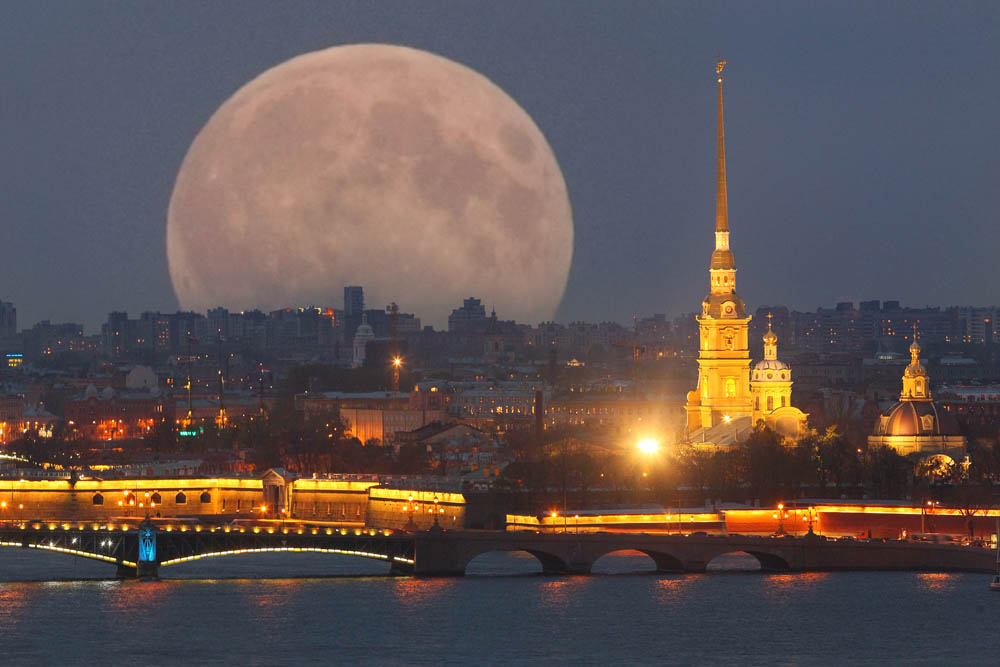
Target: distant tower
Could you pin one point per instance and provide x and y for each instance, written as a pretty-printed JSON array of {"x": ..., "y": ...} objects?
[
  {"x": 493, "y": 351},
  {"x": 723, "y": 391},
  {"x": 362, "y": 336}
]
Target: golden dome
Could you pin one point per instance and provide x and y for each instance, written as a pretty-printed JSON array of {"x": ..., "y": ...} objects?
[{"x": 910, "y": 418}]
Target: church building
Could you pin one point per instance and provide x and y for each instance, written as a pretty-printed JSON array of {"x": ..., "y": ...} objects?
[
  {"x": 727, "y": 404},
  {"x": 915, "y": 424}
]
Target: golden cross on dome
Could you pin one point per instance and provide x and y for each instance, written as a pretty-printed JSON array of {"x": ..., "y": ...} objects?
[{"x": 719, "y": 66}]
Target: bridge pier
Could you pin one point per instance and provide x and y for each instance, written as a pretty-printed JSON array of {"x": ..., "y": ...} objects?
[
  {"x": 436, "y": 556},
  {"x": 696, "y": 566}
]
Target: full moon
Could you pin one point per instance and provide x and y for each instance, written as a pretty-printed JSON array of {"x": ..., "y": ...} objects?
[{"x": 374, "y": 165}]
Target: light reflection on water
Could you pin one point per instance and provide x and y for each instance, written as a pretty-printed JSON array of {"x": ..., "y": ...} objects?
[
  {"x": 937, "y": 581},
  {"x": 413, "y": 592},
  {"x": 618, "y": 617}
]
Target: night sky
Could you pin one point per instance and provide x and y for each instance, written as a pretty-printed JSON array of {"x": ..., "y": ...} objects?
[{"x": 861, "y": 140}]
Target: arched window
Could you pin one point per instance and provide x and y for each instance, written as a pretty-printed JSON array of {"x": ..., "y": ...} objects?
[
  {"x": 784, "y": 401},
  {"x": 98, "y": 499},
  {"x": 730, "y": 387},
  {"x": 155, "y": 498},
  {"x": 206, "y": 497},
  {"x": 770, "y": 403},
  {"x": 180, "y": 498}
]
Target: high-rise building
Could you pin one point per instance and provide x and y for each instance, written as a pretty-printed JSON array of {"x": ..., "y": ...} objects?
[
  {"x": 354, "y": 300},
  {"x": 470, "y": 318},
  {"x": 723, "y": 392},
  {"x": 8, "y": 320}
]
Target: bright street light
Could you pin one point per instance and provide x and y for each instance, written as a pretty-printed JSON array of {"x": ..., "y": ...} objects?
[{"x": 648, "y": 446}]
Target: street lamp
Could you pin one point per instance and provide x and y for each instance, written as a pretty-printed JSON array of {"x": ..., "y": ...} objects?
[
  {"x": 780, "y": 515},
  {"x": 811, "y": 518},
  {"x": 410, "y": 507},
  {"x": 924, "y": 511}
]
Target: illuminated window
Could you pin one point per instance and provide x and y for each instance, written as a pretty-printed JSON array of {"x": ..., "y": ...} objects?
[
  {"x": 180, "y": 498},
  {"x": 730, "y": 388}
]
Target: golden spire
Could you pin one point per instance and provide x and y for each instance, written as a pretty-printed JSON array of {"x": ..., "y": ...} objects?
[
  {"x": 915, "y": 347},
  {"x": 721, "y": 202}
]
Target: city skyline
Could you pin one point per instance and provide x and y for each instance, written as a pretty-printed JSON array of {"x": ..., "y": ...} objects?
[{"x": 851, "y": 145}]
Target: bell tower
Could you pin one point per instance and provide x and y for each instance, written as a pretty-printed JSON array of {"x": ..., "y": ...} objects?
[
  {"x": 723, "y": 391},
  {"x": 916, "y": 384}
]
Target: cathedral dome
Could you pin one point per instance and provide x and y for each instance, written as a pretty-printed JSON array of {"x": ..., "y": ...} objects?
[
  {"x": 771, "y": 365},
  {"x": 909, "y": 418}
]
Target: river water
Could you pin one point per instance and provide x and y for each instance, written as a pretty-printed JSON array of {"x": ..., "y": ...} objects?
[{"x": 311, "y": 608}]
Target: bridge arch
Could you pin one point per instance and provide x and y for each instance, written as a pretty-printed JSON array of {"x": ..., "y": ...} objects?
[
  {"x": 68, "y": 551},
  {"x": 747, "y": 560},
  {"x": 650, "y": 561},
  {"x": 396, "y": 561},
  {"x": 502, "y": 562}
]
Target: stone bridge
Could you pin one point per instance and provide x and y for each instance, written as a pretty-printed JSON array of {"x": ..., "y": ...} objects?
[
  {"x": 140, "y": 550},
  {"x": 448, "y": 553}
]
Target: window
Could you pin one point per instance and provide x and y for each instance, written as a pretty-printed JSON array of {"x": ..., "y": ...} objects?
[
  {"x": 206, "y": 497},
  {"x": 155, "y": 498},
  {"x": 756, "y": 403},
  {"x": 770, "y": 403},
  {"x": 730, "y": 388},
  {"x": 784, "y": 401},
  {"x": 98, "y": 499},
  {"x": 180, "y": 498}
]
